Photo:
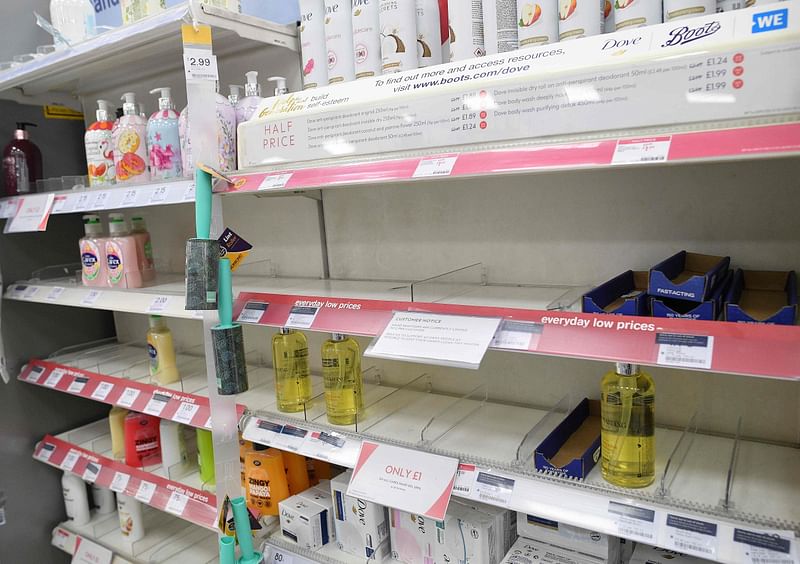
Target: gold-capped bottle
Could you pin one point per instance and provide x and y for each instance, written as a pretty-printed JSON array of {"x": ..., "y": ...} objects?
[
  {"x": 341, "y": 371},
  {"x": 627, "y": 400},
  {"x": 292, "y": 375}
]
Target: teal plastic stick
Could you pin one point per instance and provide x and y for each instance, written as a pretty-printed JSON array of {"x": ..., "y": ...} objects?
[
  {"x": 225, "y": 295},
  {"x": 241, "y": 522},
  {"x": 202, "y": 204},
  {"x": 227, "y": 550}
]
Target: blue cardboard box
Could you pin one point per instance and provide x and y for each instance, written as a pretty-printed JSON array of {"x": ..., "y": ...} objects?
[
  {"x": 625, "y": 294},
  {"x": 573, "y": 447},
  {"x": 757, "y": 296},
  {"x": 707, "y": 310},
  {"x": 687, "y": 276}
]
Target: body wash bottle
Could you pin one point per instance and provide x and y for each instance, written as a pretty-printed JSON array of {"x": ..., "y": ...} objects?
[
  {"x": 122, "y": 260},
  {"x": 144, "y": 248},
  {"x": 627, "y": 399},
  {"x": 252, "y": 98},
  {"x": 161, "y": 349},
  {"x": 76, "y": 500},
  {"x": 100, "y": 147},
  {"x": 130, "y": 518},
  {"x": 292, "y": 376},
  {"x": 130, "y": 151},
  {"x": 163, "y": 139},
  {"x": 93, "y": 253},
  {"x": 205, "y": 456},
  {"x": 341, "y": 371},
  {"x": 173, "y": 443},
  {"x": 142, "y": 445}
]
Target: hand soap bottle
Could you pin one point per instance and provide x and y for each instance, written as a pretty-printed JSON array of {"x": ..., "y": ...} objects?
[
  {"x": 144, "y": 248},
  {"x": 226, "y": 133},
  {"x": 292, "y": 376},
  {"x": 100, "y": 147},
  {"x": 252, "y": 98},
  {"x": 627, "y": 399},
  {"x": 161, "y": 349},
  {"x": 163, "y": 139},
  {"x": 142, "y": 444},
  {"x": 130, "y": 152},
  {"x": 341, "y": 372},
  {"x": 122, "y": 260},
  {"x": 186, "y": 143},
  {"x": 22, "y": 162},
  {"x": 94, "y": 271}
]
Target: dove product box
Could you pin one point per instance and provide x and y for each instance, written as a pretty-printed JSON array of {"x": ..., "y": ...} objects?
[
  {"x": 414, "y": 538},
  {"x": 646, "y": 554},
  {"x": 687, "y": 276},
  {"x": 585, "y": 541},
  {"x": 470, "y": 536},
  {"x": 505, "y": 522},
  {"x": 362, "y": 527},
  {"x": 527, "y": 551},
  {"x": 625, "y": 294},
  {"x": 323, "y": 498},
  {"x": 304, "y": 522}
]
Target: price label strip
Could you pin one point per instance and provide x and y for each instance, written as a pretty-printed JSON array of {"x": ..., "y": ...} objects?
[
  {"x": 83, "y": 202},
  {"x": 91, "y": 472},
  {"x": 685, "y": 351},
  {"x": 35, "y": 374},
  {"x": 129, "y": 198},
  {"x": 70, "y": 460},
  {"x": 128, "y": 397},
  {"x": 759, "y": 547},
  {"x": 91, "y": 297},
  {"x": 158, "y": 195},
  {"x": 145, "y": 491},
  {"x": 159, "y": 304},
  {"x": 693, "y": 536},
  {"x": 275, "y": 181},
  {"x": 465, "y": 480},
  {"x": 633, "y": 522},
  {"x": 120, "y": 482},
  {"x": 647, "y": 150},
  {"x": 440, "y": 166},
  {"x": 189, "y": 193},
  {"x": 186, "y": 412},
  {"x": 517, "y": 335},
  {"x": 177, "y": 503},
  {"x": 78, "y": 384},
  {"x": 102, "y": 390},
  {"x": 54, "y": 378},
  {"x": 30, "y": 293},
  {"x": 100, "y": 200},
  {"x": 252, "y": 312},
  {"x": 156, "y": 404},
  {"x": 292, "y": 438},
  {"x": 493, "y": 489},
  {"x": 54, "y": 294},
  {"x": 302, "y": 317},
  {"x": 270, "y": 432},
  {"x": 46, "y": 452}
]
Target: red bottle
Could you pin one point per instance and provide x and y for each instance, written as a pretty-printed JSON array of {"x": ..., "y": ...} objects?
[
  {"x": 142, "y": 440},
  {"x": 22, "y": 162}
]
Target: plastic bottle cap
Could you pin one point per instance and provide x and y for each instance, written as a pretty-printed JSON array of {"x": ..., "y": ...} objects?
[
  {"x": 20, "y": 132},
  {"x": 138, "y": 223},
  {"x": 338, "y": 336},
  {"x": 92, "y": 225},
  {"x": 129, "y": 104},
  {"x": 285, "y": 330},
  {"x": 117, "y": 224},
  {"x": 156, "y": 322},
  {"x": 165, "y": 98},
  {"x": 103, "y": 108},
  {"x": 252, "y": 88},
  {"x": 235, "y": 93},
  {"x": 280, "y": 85},
  {"x": 627, "y": 369}
]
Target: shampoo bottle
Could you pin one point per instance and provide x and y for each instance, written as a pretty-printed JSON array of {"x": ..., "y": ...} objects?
[
  {"x": 341, "y": 372},
  {"x": 339, "y": 41},
  {"x": 161, "y": 349},
  {"x": 142, "y": 445},
  {"x": 296, "y": 472},
  {"x": 94, "y": 270},
  {"x": 122, "y": 259},
  {"x": 398, "y": 36},
  {"x": 22, "y": 162},
  {"x": 265, "y": 480},
  {"x": 116, "y": 421},
  {"x": 173, "y": 443},
  {"x": 292, "y": 375},
  {"x": 76, "y": 500},
  {"x": 100, "y": 147},
  {"x": 144, "y": 248},
  {"x": 627, "y": 399},
  {"x": 312, "y": 44},
  {"x": 252, "y": 98},
  {"x": 130, "y": 151},
  {"x": 366, "y": 38},
  {"x": 163, "y": 139},
  {"x": 205, "y": 456},
  {"x": 429, "y": 33},
  {"x": 130, "y": 518},
  {"x": 103, "y": 499},
  {"x": 537, "y": 22}
]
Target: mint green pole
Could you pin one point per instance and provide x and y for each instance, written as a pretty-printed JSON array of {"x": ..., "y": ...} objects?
[
  {"x": 202, "y": 252},
  {"x": 202, "y": 204},
  {"x": 227, "y": 550},
  {"x": 225, "y": 295},
  {"x": 241, "y": 522}
]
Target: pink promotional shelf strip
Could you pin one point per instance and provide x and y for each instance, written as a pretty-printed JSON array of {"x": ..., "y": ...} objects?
[
  {"x": 769, "y": 140},
  {"x": 188, "y": 503},
  {"x": 737, "y": 348}
]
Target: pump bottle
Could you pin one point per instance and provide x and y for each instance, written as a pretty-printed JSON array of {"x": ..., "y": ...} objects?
[
  {"x": 252, "y": 98},
  {"x": 76, "y": 499},
  {"x": 99, "y": 147},
  {"x": 226, "y": 133},
  {"x": 341, "y": 372},
  {"x": 122, "y": 260},
  {"x": 22, "y": 162},
  {"x": 163, "y": 139},
  {"x": 94, "y": 270},
  {"x": 161, "y": 349},
  {"x": 130, "y": 152},
  {"x": 144, "y": 248},
  {"x": 292, "y": 376}
]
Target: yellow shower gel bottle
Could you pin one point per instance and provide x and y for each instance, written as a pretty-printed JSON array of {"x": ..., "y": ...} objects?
[
  {"x": 292, "y": 375},
  {"x": 341, "y": 372},
  {"x": 627, "y": 401}
]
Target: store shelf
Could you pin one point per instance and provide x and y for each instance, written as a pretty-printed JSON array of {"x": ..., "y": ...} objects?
[
  {"x": 167, "y": 539},
  {"x": 728, "y": 482},
  {"x": 86, "y": 451},
  {"x": 740, "y": 143},
  {"x": 113, "y": 198},
  {"x": 119, "y": 375},
  {"x": 149, "y": 47},
  {"x": 278, "y": 549}
]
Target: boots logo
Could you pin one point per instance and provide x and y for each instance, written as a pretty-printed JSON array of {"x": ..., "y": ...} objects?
[{"x": 686, "y": 34}]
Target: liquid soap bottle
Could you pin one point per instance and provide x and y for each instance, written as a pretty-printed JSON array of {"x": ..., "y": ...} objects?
[
  {"x": 252, "y": 98},
  {"x": 100, "y": 147},
  {"x": 93, "y": 253},
  {"x": 341, "y": 372},
  {"x": 130, "y": 151},
  {"x": 292, "y": 375},
  {"x": 22, "y": 162},
  {"x": 163, "y": 139}
]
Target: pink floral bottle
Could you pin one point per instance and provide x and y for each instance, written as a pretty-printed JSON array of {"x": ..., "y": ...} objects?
[{"x": 163, "y": 139}]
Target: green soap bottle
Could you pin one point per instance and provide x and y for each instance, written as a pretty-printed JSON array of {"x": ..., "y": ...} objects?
[
  {"x": 292, "y": 375},
  {"x": 205, "y": 456},
  {"x": 341, "y": 372},
  {"x": 627, "y": 399}
]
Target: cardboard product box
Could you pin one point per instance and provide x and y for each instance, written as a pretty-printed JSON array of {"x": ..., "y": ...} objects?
[
  {"x": 600, "y": 545},
  {"x": 687, "y": 276},
  {"x": 470, "y": 537},
  {"x": 505, "y": 522},
  {"x": 625, "y": 294},
  {"x": 646, "y": 554},
  {"x": 573, "y": 447},
  {"x": 757, "y": 296},
  {"x": 324, "y": 499},
  {"x": 304, "y": 522},
  {"x": 362, "y": 527},
  {"x": 527, "y": 551},
  {"x": 414, "y": 538},
  {"x": 709, "y": 309}
]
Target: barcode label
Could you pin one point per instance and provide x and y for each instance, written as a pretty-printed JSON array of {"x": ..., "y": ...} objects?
[
  {"x": 493, "y": 489},
  {"x": 648, "y": 150},
  {"x": 687, "y": 351},
  {"x": 465, "y": 479},
  {"x": 633, "y": 522}
]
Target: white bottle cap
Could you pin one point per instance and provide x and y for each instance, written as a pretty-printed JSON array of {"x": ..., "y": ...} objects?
[
  {"x": 92, "y": 225},
  {"x": 129, "y": 104},
  {"x": 235, "y": 93},
  {"x": 252, "y": 88},
  {"x": 280, "y": 85},
  {"x": 165, "y": 100},
  {"x": 103, "y": 108},
  {"x": 117, "y": 224}
]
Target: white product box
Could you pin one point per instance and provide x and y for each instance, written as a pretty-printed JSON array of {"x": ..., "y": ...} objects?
[
  {"x": 505, "y": 523},
  {"x": 304, "y": 522},
  {"x": 414, "y": 538},
  {"x": 605, "y": 547},
  {"x": 362, "y": 527},
  {"x": 470, "y": 537},
  {"x": 323, "y": 498},
  {"x": 646, "y": 554},
  {"x": 527, "y": 551},
  {"x": 634, "y": 78}
]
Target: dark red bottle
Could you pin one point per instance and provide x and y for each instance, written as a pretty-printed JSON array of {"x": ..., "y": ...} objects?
[{"x": 22, "y": 162}]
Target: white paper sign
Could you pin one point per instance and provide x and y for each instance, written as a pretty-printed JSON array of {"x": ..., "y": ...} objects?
[
  {"x": 30, "y": 293},
  {"x": 91, "y": 472},
  {"x": 200, "y": 65},
  {"x": 451, "y": 340},
  {"x": 177, "y": 503},
  {"x": 410, "y": 480},
  {"x": 280, "y": 556},
  {"x": 120, "y": 482},
  {"x": 302, "y": 317},
  {"x": 692, "y": 536},
  {"x": 70, "y": 460},
  {"x": 188, "y": 194},
  {"x": 252, "y": 312},
  {"x": 83, "y": 202},
  {"x": 274, "y": 181},
  {"x": 685, "y": 351},
  {"x": 158, "y": 195},
  {"x": 129, "y": 198},
  {"x": 88, "y": 552},
  {"x": 185, "y": 413},
  {"x": 100, "y": 200},
  {"x": 493, "y": 489},
  {"x": 128, "y": 397},
  {"x": 156, "y": 404},
  {"x": 91, "y": 297},
  {"x": 440, "y": 166},
  {"x": 648, "y": 150},
  {"x": 633, "y": 522},
  {"x": 54, "y": 294},
  {"x": 78, "y": 384},
  {"x": 34, "y": 375},
  {"x": 46, "y": 452},
  {"x": 764, "y": 547},
  {"x": 32, "y": 214},
  {"x": 145, "y": 491},
  {"x": 54, "y": 377},
  {"x": 102, "y": 390},
  {"x": 465, "y": 479},
  {"x": 159, "y": 304},
  {"x": 59, "y": 204}
]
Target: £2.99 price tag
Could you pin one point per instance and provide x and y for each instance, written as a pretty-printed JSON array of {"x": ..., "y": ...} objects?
[{"x": 200, "y": 65}]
